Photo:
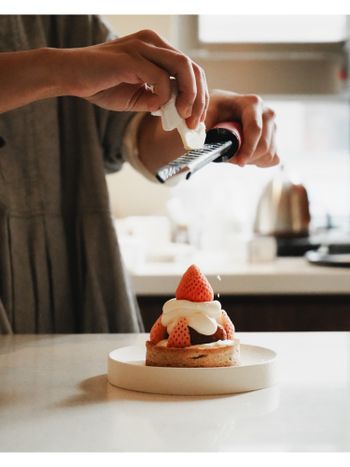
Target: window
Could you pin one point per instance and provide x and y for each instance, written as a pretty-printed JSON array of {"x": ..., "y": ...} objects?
[
  {"x": 299, "y": 65},
  {"x": 299, "y": 55},
  {"x": 272, "y": 29},
  {"x": 313, "y": 141}
]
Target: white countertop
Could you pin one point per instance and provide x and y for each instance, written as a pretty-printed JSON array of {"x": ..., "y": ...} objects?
[
  {"x": 54, "y": 396},
  {"x": 282, "y": 276}
]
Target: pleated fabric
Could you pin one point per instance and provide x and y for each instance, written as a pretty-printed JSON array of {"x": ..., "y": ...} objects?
[{"x": 60, "y": 265}]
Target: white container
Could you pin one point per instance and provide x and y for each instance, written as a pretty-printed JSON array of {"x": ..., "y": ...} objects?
[{"x": 261, "y": 249}]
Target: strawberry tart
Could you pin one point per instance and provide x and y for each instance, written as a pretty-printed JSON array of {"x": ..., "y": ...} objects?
[{"x": 193, "y": 330}]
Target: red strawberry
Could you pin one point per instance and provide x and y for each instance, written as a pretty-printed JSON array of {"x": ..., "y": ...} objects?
[
  {"x": 194, "y": 286},
  {"x": 220, "y": 334},
  {"x": 158, "y": 332},
  {"x": 180, "y": 335},
  {"x": 228, "y": 325}
]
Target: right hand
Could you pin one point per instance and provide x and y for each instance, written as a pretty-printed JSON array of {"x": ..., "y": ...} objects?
[
  {"x": 258, "y": 125},
  {"x": 114, "y": 74}
]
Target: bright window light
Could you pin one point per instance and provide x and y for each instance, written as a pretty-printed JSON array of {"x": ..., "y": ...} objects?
[
  {"x": 313, "y": 144},
  {"x": 272, "y": 28}
]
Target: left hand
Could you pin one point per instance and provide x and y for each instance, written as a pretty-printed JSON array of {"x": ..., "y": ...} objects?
[{"x": 258, "y": 123}]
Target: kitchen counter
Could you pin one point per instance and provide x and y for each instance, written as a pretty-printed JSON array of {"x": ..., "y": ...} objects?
[
  {"x": 282, "y": 276},
  {"x": 54, "y": 396},
  {"x": 287, "y": 294}
]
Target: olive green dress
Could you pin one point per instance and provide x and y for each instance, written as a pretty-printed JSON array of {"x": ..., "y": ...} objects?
[{"x": 60, "y": 266}]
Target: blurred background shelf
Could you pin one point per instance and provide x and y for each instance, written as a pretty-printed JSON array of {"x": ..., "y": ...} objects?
[{"x": 287, "y": 294}]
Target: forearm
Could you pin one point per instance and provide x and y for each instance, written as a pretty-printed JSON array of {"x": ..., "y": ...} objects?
[
  {"x": 28, "y": 76},
  {"x": 156, "y": 146}
]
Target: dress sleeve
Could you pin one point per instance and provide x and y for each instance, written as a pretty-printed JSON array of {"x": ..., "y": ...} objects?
[{"x": 111, "y": 128}]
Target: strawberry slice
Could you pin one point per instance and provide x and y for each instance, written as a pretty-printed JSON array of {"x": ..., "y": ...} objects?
[
  {"x": 228, "y": 325},
  {"x": 194, "y": 286},
  {"x": 220, "y": 334},
  {"x": 180, "y": 335},
  {"x": 158, "y": 332}
]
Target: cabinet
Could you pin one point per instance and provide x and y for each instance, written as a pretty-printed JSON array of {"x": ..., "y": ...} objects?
[{"x": 252, "y": 313}]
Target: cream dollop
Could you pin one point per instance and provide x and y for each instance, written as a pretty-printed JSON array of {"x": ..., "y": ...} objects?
[{"x": 201, "y": 316}]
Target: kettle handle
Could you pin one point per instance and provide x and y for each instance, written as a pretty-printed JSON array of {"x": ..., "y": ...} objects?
[{"x": 226, "y": 131}]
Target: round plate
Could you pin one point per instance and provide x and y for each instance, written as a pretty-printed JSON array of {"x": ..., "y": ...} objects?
[{"x": 127, "y": 370}]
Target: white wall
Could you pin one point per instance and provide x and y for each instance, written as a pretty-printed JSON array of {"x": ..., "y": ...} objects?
[{"x": 130, "y": 193}]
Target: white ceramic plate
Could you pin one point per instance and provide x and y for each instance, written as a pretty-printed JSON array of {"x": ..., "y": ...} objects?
[{"x": 127, "y": 370}]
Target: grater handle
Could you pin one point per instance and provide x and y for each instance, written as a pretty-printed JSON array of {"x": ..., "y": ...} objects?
[{"x": 226, "y": 131}]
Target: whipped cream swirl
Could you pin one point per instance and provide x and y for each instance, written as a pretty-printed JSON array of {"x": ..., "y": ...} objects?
[{"x": 201, "y": 316}]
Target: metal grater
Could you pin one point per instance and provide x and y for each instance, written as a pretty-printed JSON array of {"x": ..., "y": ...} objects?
[
  {"x": 192, "y": 161},
  {"x": 221, "y": 144}
]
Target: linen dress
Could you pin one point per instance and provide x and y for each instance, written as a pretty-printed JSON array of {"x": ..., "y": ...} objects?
[{"x": 60, "y": 266}]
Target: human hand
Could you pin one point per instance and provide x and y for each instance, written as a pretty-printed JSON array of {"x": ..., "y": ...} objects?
[
  {"x": 132, "y": 73},
  {"x": 258, "y": 123}
]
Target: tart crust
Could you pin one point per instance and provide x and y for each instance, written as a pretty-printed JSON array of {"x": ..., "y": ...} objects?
[{"x": 194, "y": 356}]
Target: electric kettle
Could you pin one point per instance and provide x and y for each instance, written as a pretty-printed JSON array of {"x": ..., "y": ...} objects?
[{"x": 283, "y": 208}]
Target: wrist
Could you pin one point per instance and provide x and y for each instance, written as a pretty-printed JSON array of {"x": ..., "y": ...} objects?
[
  {"x": 31, "y": 75},
  {"x": 67, "y": 70},
  {"x": 53, "y": 74}
]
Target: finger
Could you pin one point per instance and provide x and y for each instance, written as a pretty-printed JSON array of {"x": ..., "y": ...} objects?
[
  {"x": 270, "y": 158},
  {"x": 207, "y": 101},
  {"x": 268, "y": 161},
  {"x": 131, "y": 98},
  {"x": 199, "y": 107},
  {"x": 267, "y": 136},
  {"x": 144, "y": 101},
  {"x": 200, "y": 103},
  {"x": 252, "y": 125},
  {"x": 149, "y": 36},
  {"x": 179, "y": 66},
  {"x": 207, "y": 97}
]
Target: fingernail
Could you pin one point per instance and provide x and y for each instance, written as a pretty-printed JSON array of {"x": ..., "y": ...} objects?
[
  {"x": 188, "y": 111},
  {"x": 192, "y": 124}
]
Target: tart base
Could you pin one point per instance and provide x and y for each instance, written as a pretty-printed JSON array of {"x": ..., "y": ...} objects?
[{"x": 195, "y": 356}]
